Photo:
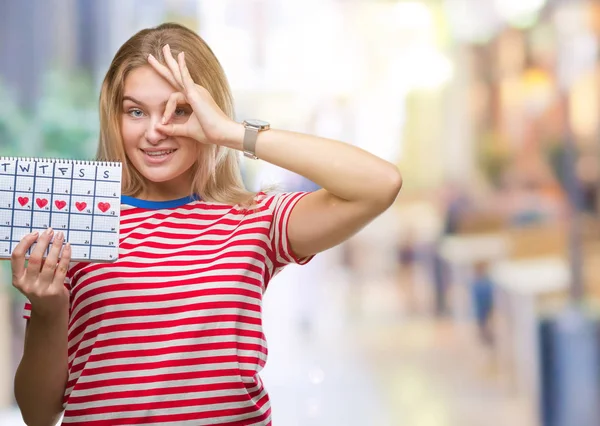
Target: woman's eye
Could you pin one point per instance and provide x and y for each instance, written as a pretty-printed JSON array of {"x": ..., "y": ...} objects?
[
  {"x": 180, "y": 112},
  {"x": 136, "y": 113}
]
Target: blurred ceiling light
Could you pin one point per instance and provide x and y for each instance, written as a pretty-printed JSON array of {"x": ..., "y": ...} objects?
[
  {"x": 570, "y": 18},
  {"x": 421, "y": 67},
  {"x": 537, "y": 90},
  {"x": 411, "y": 15},
  {"x": 316, "y": 376},
  {"x": 313, "y": 407},
  {"x": 520, "y": 13},
  {"x": 472, "y": 20},
  {"x": 304, "y": 63}
]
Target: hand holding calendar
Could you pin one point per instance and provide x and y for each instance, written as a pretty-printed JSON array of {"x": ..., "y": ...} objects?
[
  {"x": 42, "y": 281},
  {"x": 80, "y": 198}
]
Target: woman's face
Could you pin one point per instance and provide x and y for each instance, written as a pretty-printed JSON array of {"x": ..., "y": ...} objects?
[{"x": 164, "y": 161}]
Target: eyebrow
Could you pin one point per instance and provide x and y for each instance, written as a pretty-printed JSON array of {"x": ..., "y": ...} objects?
[{"x": 134, "y": 100}]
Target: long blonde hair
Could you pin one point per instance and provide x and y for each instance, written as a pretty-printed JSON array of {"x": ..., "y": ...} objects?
[{"x": 216, "y": 172}]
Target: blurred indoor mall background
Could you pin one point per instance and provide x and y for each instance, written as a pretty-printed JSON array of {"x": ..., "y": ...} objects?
[{"x": 474, "y": 300}]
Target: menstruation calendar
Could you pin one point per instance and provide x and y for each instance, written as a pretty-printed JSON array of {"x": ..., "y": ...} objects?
[{"x": 80, "y": 198}]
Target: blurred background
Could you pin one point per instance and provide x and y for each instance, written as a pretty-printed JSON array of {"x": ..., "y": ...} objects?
[{"x": 474, "y": 299}]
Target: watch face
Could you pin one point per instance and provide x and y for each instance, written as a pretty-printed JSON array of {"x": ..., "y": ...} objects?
[{"x": 257, "y": 123}]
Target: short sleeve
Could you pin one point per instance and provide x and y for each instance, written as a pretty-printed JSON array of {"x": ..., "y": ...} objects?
[
  {"x": 280, "y": 207},
  {"x": 27, "y": 311}
]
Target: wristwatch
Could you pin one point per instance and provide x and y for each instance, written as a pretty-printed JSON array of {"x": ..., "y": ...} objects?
[{"x": 251, "y": 134}]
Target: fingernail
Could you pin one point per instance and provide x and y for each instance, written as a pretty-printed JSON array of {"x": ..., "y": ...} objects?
[
  {"x": 35, "y": 234},
  {"x": 167, "y": 47},
  {"x": 150, "y": 56},
  {"x": 60, "y": 235},
  {"x": 164, "y": 120}
]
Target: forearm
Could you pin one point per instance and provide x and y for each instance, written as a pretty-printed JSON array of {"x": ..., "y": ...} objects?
[
  {"x": 344, "y": 170},
  {"x": 42, "y": 373}
]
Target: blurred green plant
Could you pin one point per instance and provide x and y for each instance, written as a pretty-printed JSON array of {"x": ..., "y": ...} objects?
[
  {"x": 68, "y": 115},
  {"x": 64, "y": 124},
  {"x": 555, "y": 154},
  {"x": 493, "y": 156},
  {"x": 12, "y": 122}
]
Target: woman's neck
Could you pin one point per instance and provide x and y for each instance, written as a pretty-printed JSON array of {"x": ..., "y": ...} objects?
[{"x": 173, "y": 189}]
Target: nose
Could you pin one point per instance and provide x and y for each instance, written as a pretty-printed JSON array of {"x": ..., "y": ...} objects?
[{"x": 153, "y": 135}]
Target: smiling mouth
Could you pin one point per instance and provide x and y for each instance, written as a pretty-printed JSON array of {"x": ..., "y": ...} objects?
[{"x": 159, "y": 154}]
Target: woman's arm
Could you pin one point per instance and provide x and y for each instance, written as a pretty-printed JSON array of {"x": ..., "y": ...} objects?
[
  {"x": 357, "y": 186},
  {"x": 42, "y": 373}
]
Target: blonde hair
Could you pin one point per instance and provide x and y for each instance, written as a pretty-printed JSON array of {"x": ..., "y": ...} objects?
[{"x": 216, "y": 172}]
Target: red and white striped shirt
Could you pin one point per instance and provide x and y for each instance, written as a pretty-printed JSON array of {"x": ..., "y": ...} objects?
[{"x": 171, "y": 333}]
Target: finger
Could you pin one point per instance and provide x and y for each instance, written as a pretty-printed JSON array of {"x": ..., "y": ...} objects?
[
  {"x": 49, "y": 265},
  {"x": 175, "y": 99},
  {"x": 186, "y": 77},
  {"x": 35, "y": 260},
  {"x": 193, "y": 91},
  {"x": 17, "y": 261},
  {"x": 162, "y": 70},
  {"x": 173, "y": 129},
  {"x": 172, "y": 64},
  {"x": 63, "y": 266}
]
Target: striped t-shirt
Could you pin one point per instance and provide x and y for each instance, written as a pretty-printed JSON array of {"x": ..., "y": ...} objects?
[{"x": 171, "y": 333}]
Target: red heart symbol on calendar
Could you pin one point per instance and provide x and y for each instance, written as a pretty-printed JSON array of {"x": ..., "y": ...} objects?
[
  {"x": 104, "y": 207},
  {"x": 41, "y": 202},
  {"x": 60, "y": 204},
  {"x": 80, "y": 205},
  {"x": 23, "y": 201}
]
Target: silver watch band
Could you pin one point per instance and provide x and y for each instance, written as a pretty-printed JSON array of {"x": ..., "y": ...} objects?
[
  {"x": 250, "y": 136},
  {"x": 252, "y": 128}
]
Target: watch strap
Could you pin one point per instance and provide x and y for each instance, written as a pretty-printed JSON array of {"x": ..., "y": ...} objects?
[{"x": 250, "y": 136}]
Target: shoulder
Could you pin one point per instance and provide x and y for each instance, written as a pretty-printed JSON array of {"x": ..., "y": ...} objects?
[{"x": 272, "y": 199}]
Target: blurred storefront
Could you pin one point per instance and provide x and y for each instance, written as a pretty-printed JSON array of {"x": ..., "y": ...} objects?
[{"x": 475, "y": 100}]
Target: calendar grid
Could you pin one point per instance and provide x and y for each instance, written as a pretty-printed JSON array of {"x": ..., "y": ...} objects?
[
  {"x": 72, "y": 214},
  {"x": 93, "y": 213},
  {"x": 12, "y": 219},
  {"x": 32, "y": 202},
  {"x": 70, "y": 201},
  {"x": 74, "y": 230},
  {"x": 51, "y": 195},
  {"x": 83, "y": 202},
  {"x": 32, "y": 198}
]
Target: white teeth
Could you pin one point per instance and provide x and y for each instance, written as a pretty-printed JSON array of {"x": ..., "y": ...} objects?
[{"x": 158, "y": 153}]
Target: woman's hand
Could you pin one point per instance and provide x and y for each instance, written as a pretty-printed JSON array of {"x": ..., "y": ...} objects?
[
  {"x": 43, "y": 280},
  {"x": 207, "y": 123}
]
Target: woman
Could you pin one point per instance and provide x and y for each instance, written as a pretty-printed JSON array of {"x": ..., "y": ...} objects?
[{"x": 171, "y": 333}]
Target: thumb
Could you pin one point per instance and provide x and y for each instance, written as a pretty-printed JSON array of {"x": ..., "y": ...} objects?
[{"x": 171, "y": 129}]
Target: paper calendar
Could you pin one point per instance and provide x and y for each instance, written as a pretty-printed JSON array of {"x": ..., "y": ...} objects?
[{"x": 80, "y": 198}]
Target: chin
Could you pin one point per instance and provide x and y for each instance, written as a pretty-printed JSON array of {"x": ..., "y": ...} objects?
[{"x": 162, "y": 175}]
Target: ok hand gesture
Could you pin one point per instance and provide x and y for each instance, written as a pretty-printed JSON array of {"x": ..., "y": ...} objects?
[{"x": 207, "y": 122}]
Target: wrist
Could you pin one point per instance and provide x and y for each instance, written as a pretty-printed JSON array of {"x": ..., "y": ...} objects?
[
  {"x": 234, "y": 137},
  {"x": 58, "y": 317},
  {"x": 56, "y": 311}
]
